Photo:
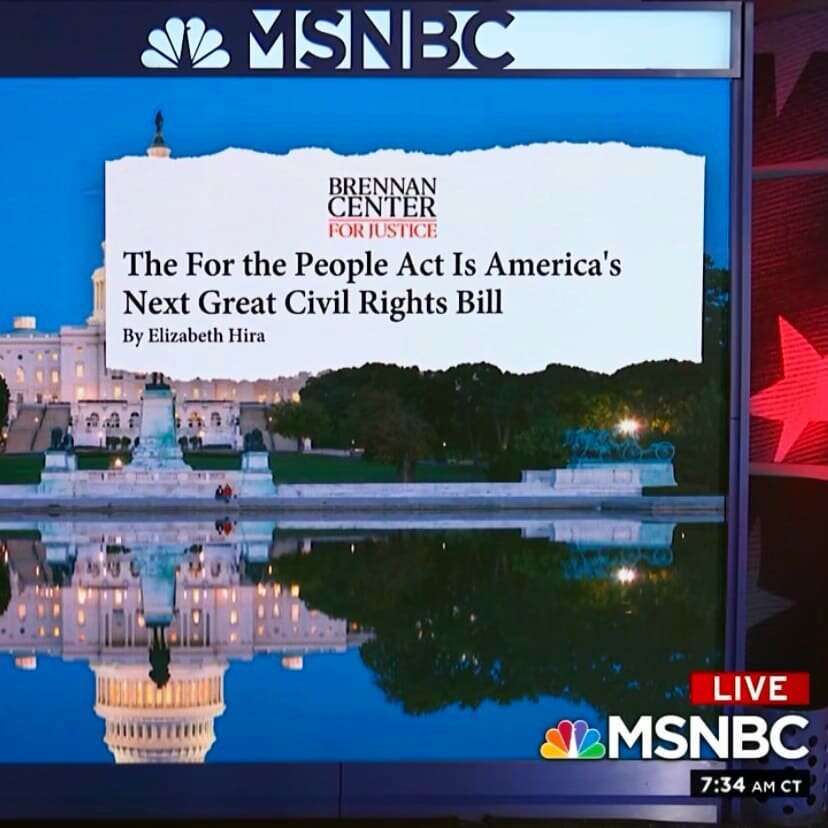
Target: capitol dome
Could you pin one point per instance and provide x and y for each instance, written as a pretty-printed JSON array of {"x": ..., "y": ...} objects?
[{"x": 147, "y": 724}]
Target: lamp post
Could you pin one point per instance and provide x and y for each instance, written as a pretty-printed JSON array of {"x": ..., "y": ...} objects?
[{"x": 629, "y": 426}]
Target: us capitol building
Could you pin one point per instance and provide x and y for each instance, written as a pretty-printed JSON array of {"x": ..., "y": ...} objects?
[
  {"x": 58, "y": 379},
  {"x": 94, "y": 592}
]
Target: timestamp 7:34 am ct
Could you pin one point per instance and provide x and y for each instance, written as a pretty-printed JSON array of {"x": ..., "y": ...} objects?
[{"x": 764, "y": 783}]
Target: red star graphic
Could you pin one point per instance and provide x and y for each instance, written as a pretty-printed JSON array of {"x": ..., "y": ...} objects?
[{"x": 801, "y": 396}]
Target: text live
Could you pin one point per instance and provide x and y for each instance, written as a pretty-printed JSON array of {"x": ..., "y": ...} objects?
[{"x": 767, "y": 689}]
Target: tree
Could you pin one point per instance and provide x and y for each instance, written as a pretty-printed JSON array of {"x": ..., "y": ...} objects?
[
  {"x": 476, "y": 396},
  {"x": 507, "y": 422},
  {"x": 702, "y": 438},
  {"x": 389, "y": 430},
  {"x": 497, "y": 617},
  {"x": 307, "y": 418},
  {"x": 542, "y": 444},
  {"x": 337, "y": 391},
  {"x": 716, "y": 330}
]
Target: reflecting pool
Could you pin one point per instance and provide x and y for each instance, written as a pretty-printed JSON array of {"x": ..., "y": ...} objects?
[{"x": 370, "y": 638}]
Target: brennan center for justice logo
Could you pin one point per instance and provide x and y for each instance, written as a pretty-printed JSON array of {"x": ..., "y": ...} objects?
[
  {"x": 572, "y": 740},
  {"x": 185, "y": 45},
  {"x": 382, "y": 207}
]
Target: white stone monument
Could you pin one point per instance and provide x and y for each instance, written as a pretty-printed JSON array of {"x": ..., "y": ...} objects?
[
  {"x": 157, "y": 469},
  {"x": 157, "y": 446},
  {"x": 157, "y": 566}
]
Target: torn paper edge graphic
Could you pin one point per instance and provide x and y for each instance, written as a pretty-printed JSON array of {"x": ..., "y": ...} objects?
[{"x": 641, "y": 207}]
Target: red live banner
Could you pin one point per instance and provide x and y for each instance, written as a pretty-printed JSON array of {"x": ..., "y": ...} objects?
[{"x": 767, "y": 689}]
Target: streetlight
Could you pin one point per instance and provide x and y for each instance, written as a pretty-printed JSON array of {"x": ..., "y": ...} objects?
[
  {"x": 626, "y": 575},
  {"x": 629, "y": 426}
]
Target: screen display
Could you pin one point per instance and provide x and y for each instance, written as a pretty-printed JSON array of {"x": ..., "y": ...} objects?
[{"x": 366, "y": 380}]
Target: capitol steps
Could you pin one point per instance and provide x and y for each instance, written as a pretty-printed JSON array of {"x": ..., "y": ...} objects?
[
  {"x": 54, "y": 416},
  {"x": 24, "y": 428}
]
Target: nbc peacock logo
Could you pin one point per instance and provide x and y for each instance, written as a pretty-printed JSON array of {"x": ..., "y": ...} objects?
[
  {"x": 185, "y": 45},
  {"x": 572, "y": 740}
]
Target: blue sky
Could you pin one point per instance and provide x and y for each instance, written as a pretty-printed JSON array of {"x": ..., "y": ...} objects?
[{"x": 59, "y": 132}]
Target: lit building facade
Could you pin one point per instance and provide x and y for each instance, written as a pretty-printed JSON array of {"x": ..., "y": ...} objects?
[{"x": 78, "y": 596}]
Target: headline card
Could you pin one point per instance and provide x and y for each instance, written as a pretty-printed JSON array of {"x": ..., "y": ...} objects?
[{"x": 515, "y": 256}]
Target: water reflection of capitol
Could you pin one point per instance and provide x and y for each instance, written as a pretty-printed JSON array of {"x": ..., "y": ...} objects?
[{"x": 92, "y": 591}]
